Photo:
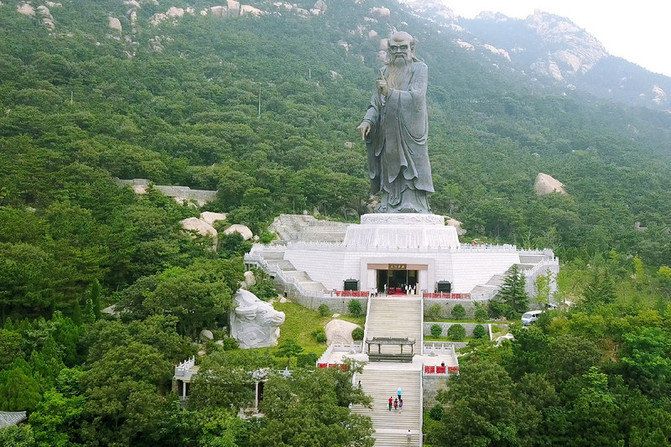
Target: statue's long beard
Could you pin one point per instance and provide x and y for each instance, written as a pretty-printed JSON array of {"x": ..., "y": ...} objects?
[{"x": 398, "y": 72}]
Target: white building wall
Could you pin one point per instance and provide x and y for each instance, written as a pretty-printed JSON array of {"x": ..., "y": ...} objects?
[
  {"x": 471, "y": 268},
  {"x": 327, "y": 267},
  {"x": 464, "y": 268}
]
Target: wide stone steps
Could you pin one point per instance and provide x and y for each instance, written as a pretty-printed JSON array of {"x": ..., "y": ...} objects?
[
  {"x": 496, "y": 280},
  {"x": 270, "y": 255},
  {"x": 282, "y": 264},
  {"x": 276, "y": 258},
  {"x": 397, "y": 318},
  {"x": 381, "y": 382}
]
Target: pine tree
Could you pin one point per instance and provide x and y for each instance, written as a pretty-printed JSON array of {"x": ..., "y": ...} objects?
[
  {"x": 89, "y": 313},
  {"x": 513, "y": 291},
  {"x": 95, "y": 297},
  {"x": 77, "y": 317},
  {"x": 600, "y": 290}
]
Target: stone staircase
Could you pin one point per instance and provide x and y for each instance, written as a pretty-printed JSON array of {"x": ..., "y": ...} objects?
[
  {"x": 397, "y": 317},
  {"x": 294, "y": 227},
  {"x": 275, "y": 261},
  {"x": 380, "y": 381}
]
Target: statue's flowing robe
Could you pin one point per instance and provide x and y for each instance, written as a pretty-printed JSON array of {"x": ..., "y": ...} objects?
[{"x": 398, "y": 158}]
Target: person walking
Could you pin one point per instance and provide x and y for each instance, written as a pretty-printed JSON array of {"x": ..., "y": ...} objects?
[
  {"x": 399, "y": 392},
  {"x": 400, "y": 404},
  {"x": 391, "y": 400},
  {"x": 395, "y": 404}
]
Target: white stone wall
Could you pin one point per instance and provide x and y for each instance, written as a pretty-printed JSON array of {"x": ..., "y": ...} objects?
[
  {"x": 464, "y": 267},
  {"x": 327, "y": 267},
  {"x": 473, "y": 267}
]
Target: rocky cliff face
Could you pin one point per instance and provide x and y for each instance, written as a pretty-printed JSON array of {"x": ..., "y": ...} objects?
[
  {"x": 571, "y": 50},
  {"x": 553, "y": 49}
]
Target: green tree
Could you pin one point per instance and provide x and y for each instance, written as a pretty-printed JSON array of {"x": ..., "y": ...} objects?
[
  {"x": 95, "y": 298},
  {"x": 17, "y": 436},
  {"x": 354, "y": 307},
  {"x": 222, "y": 386},
  {"x": 600, "y": 290},
  {"x": 513, "y": 293},
  {"x": 481, "y": 408},
  {"x": 542, "y": 285},
  {"x": 481, "y": 314},
  {"x": 646, "y": 360},
  {"x": 290, "y": 348},
  {"x": 304, "y": 409},
  {"x": 458, "y": 312},
  {"x": 19, "y": 390},
  {"x": 323, "y": 310},
  {"x": 436, "y": 330},
  {"x": 456, "y": 332},
  {"x": 56, "y": 419},
  {"x": 479, "y": 331},
  {"x": 435, "y": 312},
  {"x": 122, "y": 394}
]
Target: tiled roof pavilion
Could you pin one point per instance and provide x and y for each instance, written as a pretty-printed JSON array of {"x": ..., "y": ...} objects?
[{"x": 8, "y": 418}]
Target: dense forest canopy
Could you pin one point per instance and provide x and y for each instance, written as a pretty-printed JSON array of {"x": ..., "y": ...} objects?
[{"x": 261, "y": 108}]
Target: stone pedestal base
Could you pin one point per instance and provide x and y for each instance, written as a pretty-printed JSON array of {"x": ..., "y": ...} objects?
[{"x": 396, "y": 231}]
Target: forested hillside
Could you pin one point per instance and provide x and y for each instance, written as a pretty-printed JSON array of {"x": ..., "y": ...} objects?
[{"x": 261, "y": 108}]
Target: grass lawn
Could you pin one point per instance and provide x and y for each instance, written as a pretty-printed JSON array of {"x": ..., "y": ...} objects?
[{"x": 301, "y": 322}]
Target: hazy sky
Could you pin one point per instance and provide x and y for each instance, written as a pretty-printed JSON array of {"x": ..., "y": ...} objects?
[{"x": 636, "y": 31}]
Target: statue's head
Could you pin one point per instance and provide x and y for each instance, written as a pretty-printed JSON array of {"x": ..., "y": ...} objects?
[
  {"x": 401, "y": 47},
  {"x": 254, "y": 323}
]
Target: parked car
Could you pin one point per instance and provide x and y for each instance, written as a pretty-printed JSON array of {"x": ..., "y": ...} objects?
[{"x": 531, "y": 317}]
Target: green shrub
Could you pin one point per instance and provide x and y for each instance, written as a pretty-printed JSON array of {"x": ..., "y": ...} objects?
[
  {"x": 354, "y": 307},
  {"x": 319, "y": 335},
  {"x": 306, "y": 360},
  {"x": 435, "y": 312},
  {"x": 436, "y": 330},
  {"x": 436, "y": 413},
  {"x": 357, "y": 333},
  {"x": 456, "y": 332},
  {"x": 479, "y": 331},
  {"x": 481, "y": 314},
  {"x": 266, "y": 237},
  {"x": 230, "y": 343},
  {"x": 323, "y": 310},
  {"x": 458, "y": 312}
]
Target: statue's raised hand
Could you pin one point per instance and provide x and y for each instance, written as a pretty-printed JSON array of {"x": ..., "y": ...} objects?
[
  {"x": 382, "y": 87},
  {"x": 364, "y": 128}
]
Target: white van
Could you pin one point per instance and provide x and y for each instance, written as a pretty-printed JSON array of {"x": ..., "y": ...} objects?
[{"x": 531, "y": 317}]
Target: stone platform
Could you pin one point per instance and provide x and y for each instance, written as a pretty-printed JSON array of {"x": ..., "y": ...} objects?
[
  {"x": 396, "y": 231},
  {"x": 314, "y": 257}
]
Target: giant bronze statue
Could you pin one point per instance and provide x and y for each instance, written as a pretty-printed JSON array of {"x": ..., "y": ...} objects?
[{"x": 395, "y": 129}]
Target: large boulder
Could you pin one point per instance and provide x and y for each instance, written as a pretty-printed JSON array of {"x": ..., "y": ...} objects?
[
  {"x": 114, "y": 24},
  {"x": 26, "y": 9},
  {"x": 339, "y": 331},
  {"x": 243, "y": 230},
  {"x": 206, "y": 334},
  {"x": 249, "y": 280},
  {"x": 199, "y": 226},
  {"x": 210, "y": 217},
  {"x": 451, "y": 222},
  {"x": 254, "y": 323},
  {"x": 546, "y": 184}
]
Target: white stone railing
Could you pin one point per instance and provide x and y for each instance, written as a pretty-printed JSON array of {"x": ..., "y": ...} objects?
[
  {"x": 341, "y": 247},
  {"x": 279, "y": 273},
  {"x": 442, "y": 348},
  {"x": 340, "y": 347},
  {"x": 183, "y": 370},
  {"x": 543, "y": 265}
]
